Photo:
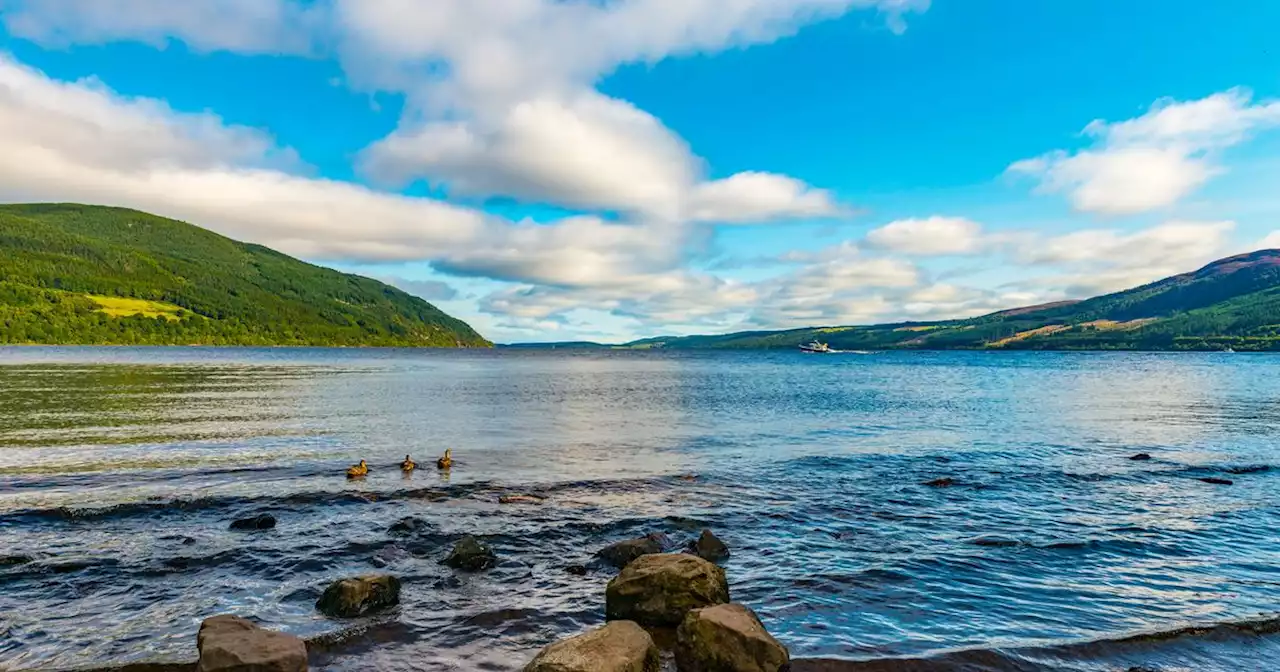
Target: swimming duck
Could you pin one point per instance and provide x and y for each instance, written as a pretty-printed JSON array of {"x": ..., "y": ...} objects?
[
  {"x": 408, "y": 464},
  {"x": 446, "y": 461},
  {"x": 357, "y": 470}
]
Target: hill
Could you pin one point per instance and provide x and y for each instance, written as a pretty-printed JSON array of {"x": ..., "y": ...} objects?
[
  {"x": 1233, "y": 302},
  {"x": 81, "y": 274}
]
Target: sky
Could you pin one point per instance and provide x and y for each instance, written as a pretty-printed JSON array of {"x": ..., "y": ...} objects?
[{"x": 553, "y": 170}]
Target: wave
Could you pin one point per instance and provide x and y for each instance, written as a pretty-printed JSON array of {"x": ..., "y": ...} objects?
[{"x": 1228, "y": 646}]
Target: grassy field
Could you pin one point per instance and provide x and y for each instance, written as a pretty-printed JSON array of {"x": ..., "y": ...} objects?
[{"x": 118, "y": 307}]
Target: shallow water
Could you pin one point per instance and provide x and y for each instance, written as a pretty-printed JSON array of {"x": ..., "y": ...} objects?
[{"x": 121, "y": 468}]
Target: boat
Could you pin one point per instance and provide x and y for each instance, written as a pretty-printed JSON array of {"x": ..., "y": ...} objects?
[
  {"x": 815, "y": 346},
  {"x": 1228, "y": 349}
]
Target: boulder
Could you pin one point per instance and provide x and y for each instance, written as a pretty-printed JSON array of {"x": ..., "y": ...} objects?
[
  {"x": 1141, "y": 457},
  {"x": 709, "y": 547},
  {"x": 623, "y": 552},
  {"x": 727, "y": 638},
  {"x": 620, "y": 646},
  {"x": 356, "y": 596},
  {"x": 265, "y": 521},
  {"x": 660, "y": 589},
  {"x": 576, "y": 570},
  {"x": 233, "y": 644},
  {"x": 407, "y": 526},
  {"x": 470, "y": 555}
]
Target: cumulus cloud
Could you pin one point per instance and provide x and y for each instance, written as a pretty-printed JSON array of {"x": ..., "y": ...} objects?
[
  {"x": 1104, "y": 260},
  {"x": 1151, "y": 161},
  {"x": 589, "y": 151},
  {"x": 81, "y": 142},
  {"x": 932, "y": 236},
  {"x": 244, "y": 26}
]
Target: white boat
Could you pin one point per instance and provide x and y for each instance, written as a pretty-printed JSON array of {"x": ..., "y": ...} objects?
[{"x": 815, "y": 346}]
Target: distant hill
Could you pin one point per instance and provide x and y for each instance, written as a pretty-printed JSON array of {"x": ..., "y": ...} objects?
[
  {"x": 1233, "y": 302},
  {"x": 81, "y": 274}
]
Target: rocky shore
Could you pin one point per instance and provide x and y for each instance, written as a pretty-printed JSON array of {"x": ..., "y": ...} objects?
[{"x": 666, "y": 610}]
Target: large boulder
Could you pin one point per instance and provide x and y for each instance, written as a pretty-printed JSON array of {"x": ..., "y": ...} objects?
[
  {"x": 470, "y": 555},
  {"x": 727, "y": 638},
  {"x": 623, "y": 552},
  {"x": 233, "y": 644},
  {"x": 660, "y": 589},
  {"x": 356, "y": 596},
  {"x": 620, "y": 646},
  {"x": 709, "y": 547}
]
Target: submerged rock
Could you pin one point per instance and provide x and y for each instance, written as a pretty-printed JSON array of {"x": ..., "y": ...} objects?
[
  {"x": 234, "y": 644},
  {"x": 660, "y": 589},
  {"x": 995, "y": 541},
  {"x": 576, "y": 570},
  {"x": 407, "y": 526},
  {"x": 1217, "y": 481},
  {"x": 265, "y": 521},
  {"x": 470, "y": 555},
  {"x": 8, "y": 560},
  {"x": 709, "y": 547},
  {"x": 623, "y": 552},
  {"x": 520, "y": 499},
  {"x": 1141, "y": 457},
  {"x": 356, "y": 596},
  {"x": 727, "y": 637},
  {"x": 620, "y": 646},
  {"x": 944, "y": 482}
]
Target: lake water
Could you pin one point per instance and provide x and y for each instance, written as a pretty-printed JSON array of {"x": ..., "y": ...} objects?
[{"x": 120, "y": 469}]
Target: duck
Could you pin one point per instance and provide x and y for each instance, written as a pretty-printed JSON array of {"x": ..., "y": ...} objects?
[
  {"x": 408, "y": 464},
  {"x": 358, "y": 470},
  {"x": 446, "y": 461}
]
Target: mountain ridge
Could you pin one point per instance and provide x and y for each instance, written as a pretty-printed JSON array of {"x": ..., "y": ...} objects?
[
  {"x": 90, "y": 274},
  {"x": 1232, "y": 302}
]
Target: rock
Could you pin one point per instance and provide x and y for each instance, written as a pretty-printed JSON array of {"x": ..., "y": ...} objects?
[
  {"x": 994, "y": 541},
  {"x": 576, "y": 570},
  {"x": 1141, "y": 457},
  {"x": 233, "y": 644},
  {"x": 519, "y": 499},
  {"x": 659, "y": 589},
  {"x": 623, "y": 552},
  {"x": 9, "y": 560},
  {"x": 1217, "y": 481},
  {"x": 709, "y": 547},
  {"x": 620, "y": 646},
  {"x": 265, "y": 521},
  {"x": 470, "y": 555},
  {"x": 407, "y": 526},
  {"x": 944, "y": 482},
  {"x": 727, "y": 638},
  {"x": 347, "y": 598}
]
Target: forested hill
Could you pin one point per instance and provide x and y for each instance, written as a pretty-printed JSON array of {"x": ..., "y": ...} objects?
[
  {"x": 1230, "y": 303},
  {"x": 81, "y": 274}
]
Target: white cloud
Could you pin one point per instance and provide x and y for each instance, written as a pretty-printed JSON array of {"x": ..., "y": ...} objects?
[
  {"x": 1270, "y": 242},
  {"x": 932, "y": 236},
  {"x": 758, "y": 197},
  {"x": 590, "y": 151},
  {"x": 80, "y": 142},
  {"x": 245, "y": 26},
  {"x": 1151, "y": 161}
]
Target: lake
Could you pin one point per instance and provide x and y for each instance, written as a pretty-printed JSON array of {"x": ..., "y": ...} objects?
[{"x": 121, "y": 468}]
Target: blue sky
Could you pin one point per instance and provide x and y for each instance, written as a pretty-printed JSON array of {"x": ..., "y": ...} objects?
[{"x": 571, "y": 169}]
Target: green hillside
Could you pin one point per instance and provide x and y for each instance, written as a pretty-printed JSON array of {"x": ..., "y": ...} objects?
[
  {"x": 1233, "y": 302},
  {"x": 80, "y": 274}
]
